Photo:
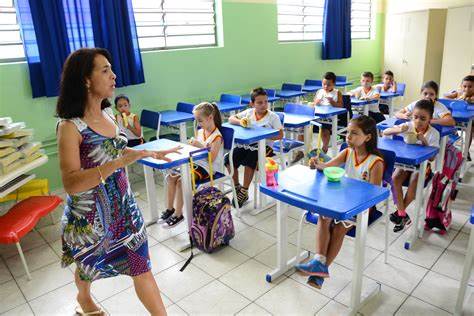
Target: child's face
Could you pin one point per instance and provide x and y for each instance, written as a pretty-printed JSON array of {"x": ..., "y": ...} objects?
[
  {"x": 467, "y": 88},
  {"x": 203, "y": 121},
  {"x": 387, "y": 80},
  {"x": 328, "y": 85},
  {"x": 355, "y": 136},
  {"x": 421, "y": 119},
  {"x": 366, "y": 82},
  {"x": 123, "y": 106},
  {"x": 428, "y": 94},
  {"x": 260, "y": 104}
]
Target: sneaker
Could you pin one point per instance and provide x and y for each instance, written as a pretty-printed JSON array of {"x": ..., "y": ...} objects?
[
  {"x": 165, "y": 215},
  {"x": 242, "y": 196},
  {"x": 404, "y": 221},
  {"x": 298, "y": 156},
  {"x": 313, "y": 267},
  {"x": 395, "y": 218},
  {"x": 315, "y": 281},
  {"x": 173, "y": 221}
]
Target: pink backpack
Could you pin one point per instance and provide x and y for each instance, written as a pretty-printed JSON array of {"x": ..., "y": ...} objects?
[{"x": 438, "y": 209}]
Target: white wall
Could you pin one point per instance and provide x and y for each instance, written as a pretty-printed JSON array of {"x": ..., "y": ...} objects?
[{"x": 395, "y": 6}]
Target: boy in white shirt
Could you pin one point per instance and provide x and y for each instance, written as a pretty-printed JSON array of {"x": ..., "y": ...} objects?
[
  {"x": 367, "y": 92},
  {"x": 388, "y": 85},
  {"x": 247, "y": 155}
]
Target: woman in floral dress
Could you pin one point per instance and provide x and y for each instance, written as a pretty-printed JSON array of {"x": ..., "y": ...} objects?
[{"x": 103, "y": 231}]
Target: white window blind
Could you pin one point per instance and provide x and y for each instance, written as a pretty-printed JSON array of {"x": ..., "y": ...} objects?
[
  {"x": 175, "y": 23},
  {"x": 361, "y": 19},
  {"x": 11, "y": 46},
  {"x": 300, "y": 20}
]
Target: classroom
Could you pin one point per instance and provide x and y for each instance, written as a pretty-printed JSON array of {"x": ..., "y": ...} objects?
[{"x": 236, "y": 157}]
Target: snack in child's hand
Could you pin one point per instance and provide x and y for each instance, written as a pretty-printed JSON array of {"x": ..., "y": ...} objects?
[
  {"x": 191, "y": 140},
  {"x": 125, "y": 119},
  {"x": 245, "y": 122},
  {"x": 411, "y": 138}
]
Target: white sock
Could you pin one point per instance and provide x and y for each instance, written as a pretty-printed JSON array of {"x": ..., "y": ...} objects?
[{"x": 320, "y": 258}]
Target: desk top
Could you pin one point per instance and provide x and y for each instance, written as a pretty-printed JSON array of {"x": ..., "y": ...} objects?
[
  {"x": 285, "y": 94},
  {"x": 324, "y": 111},
  {"x": 388, "y": 95},
  {"x": 309, "y": 88},
  {"x": 175, "y": 117},
  {"x": 405, "y": 153},
  {"x": 246, "y": 99},
  {"x": 343, "y": 83},
  {"x": 297, "y": 120},
  {"x": 359, "y": 102},
  {"x": 251, "y": 135},
  {"x": 463, "y": 116},
  {"x": 176, "y": 159},
  {"x": 229, "y": 107},
  {"x": 390, "y": 122},
  {"x": 309, "y": 190}
]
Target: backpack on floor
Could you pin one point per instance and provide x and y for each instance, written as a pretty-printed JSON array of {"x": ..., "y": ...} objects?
[
  {"x": 212, "y": 226},
  {"x": 443, "y": 192}
]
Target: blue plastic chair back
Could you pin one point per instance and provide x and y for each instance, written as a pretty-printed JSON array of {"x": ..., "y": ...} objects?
[
  {"x": 228, "y": 137},
  {"x": 298, "y": 109},
  {"x": 150, "y": 119},
  {"x": 458, "y": 105},
  {"x": 310, "y": 82},
  {"x": 185, "y": 107},
  {"x": 231, "y": 98},
  {"x": 341, "y": 78},
  {"x": 446, "y": 102},
  {"x": 281, "y": 115},
  {"x": 401, "y": 88},
  {"x": 398, "y": 137},
  {"x": 271, "y": 93},
  {"x": 292, "y": 87}
]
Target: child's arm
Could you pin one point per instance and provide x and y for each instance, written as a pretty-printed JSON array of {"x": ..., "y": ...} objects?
[
  {"x": 394, "y": 87},
  {"x": 336, "y": 161},
  {"x": 214, "y": 148},
  {"x": 446, "y": 120},
  {"x": 395, "y": 130},
  {"x": 374, "y": 97},
  {"x": 279, "y": 136},
  {"x": 376, "y": 174},
  {"x": 337, "y": 103},
  {"x": 234, "y": 120},
  {"x": 451, "y": 95},
  {"x": 403, "y": 114},
  {"x": 137, "y": 128}
]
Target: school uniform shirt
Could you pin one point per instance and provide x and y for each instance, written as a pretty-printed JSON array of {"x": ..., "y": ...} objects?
[
  {"x": 431, "y": 134},
  {"x": 270, "y": 120},
  {"x": 357, "y": 169},
  {"x": 381, "y": 88},
  {"x": 360, "y": 93},
  {"x": 131, "y": 121},
  {"x": 323, "y": 95},
  {"x": 440, "y": 110},
  {"x": 207, "y": 140}
]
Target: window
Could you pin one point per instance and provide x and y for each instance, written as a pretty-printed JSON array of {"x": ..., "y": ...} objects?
[
  {"x": 11, "y": 46},
  {"x": 175, "y": 23},
  {"x": 361, "y": 19},
  {"x": 300, "y": 20}
]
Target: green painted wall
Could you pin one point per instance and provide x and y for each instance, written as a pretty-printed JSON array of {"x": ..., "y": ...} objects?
[{"x": 251, "y": 56}]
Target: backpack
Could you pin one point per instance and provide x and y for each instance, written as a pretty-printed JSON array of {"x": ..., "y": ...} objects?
[
  {"x": 443, "y": 192},
  {"x": 212, "y": 226}
]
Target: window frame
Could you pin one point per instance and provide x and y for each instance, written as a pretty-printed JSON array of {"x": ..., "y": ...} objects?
[
  {"x": 12, "y": 27},
  {"x": 372, "y": 15}
]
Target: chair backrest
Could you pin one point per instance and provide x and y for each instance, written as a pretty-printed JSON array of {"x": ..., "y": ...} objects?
[
  {"x": 281, "y": 115},
  {"x": 231, "y": 98},
  {"x": 185, "y": 107},
  {"x": 458, "y": 105},
  {"x": 341, "y": 78},
  {"x": 292, "y": 87},
  {"x": 310, "y": 82},
  {"x": 298, "y": 109},
  {"x": 346, "y": 103},
  {"x": 151, "y": 119},
  {"x": 271, "y": 93},
  {"x": 401, "y": 88},
  {"x": 228, "y": 137}
]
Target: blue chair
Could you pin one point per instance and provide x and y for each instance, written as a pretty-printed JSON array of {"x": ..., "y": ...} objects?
[
  {"x": 292, "y": 87},
  {"x": 458, "y": 105},
  {"x": 285, "y": 146},
  {"x": 230, "y": 98},
  {"x": 401, "y": 88},
  {"x": 312, "y": 218},
  {"x": 151, "y": 119},
  {"x": 445, "y": 102},
  {"x": 271, "y": 93},
  {"x": 341, "y": 78},
  {"x": 185, "y": 107}
]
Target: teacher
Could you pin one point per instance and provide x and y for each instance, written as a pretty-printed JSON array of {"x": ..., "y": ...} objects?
[{"x": 103, "y": 231}]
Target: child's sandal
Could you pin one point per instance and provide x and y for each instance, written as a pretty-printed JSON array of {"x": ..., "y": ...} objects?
[{"x": 80, "y": 312}]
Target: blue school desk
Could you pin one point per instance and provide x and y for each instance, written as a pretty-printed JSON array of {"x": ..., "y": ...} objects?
[
  {"x": 343, "y": 84},
  {"x": 225, "y": 107},
  {"x": 387, "y": 97},
  {"x": 296, "y": 121},
  {"x": 330, "y": 113},
  {"x": 252, "y": 135},
  {"x": 308, "y": 189},
  {"x": 173, "y": 118},
  {"x": 311, "y": 88},
  {"x": 177, "y": 160},
  {"x": 466, "y": 272},
  {"x": 290, "y": 94},
  {"x": 357, "y": 103},
  {"x": 444, "y": 132},
  {"x": 412, "y": 158},
  {"x": 246, "y": 99},
  {"x": 464, "y": 120}
]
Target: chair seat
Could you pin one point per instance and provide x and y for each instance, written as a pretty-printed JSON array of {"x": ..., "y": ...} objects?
[
  {"x": 288, "y": 144},
  {"x": 22, "y": 217},
  {"x": 217, "y": 176},
  {"x": 453, "y": 138}
]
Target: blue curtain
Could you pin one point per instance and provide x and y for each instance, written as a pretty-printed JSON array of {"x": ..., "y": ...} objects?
[
  {"x": 337, "y": 29},
  {"x": 52, "y": 29},
  {"x": 114, "y": 28}
]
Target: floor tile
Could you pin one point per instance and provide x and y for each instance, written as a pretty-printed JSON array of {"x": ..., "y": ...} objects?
[
  {"x": 51, "y": 233},
  {"x": 61, "y": 301},
  {"x": 269, "y": 255},
  {"x": 5, "y": 274},
  {"x": 161, "y": 234},
  {"x": 415, "y": 307},
  {"x": 177, "y": 242},
  {"x": 253, "y": 310},
  {"x": 459, "y": 243},
  {"x": 105, "y": 288},
  {"x": 11, "y": 296},
  {"x": 333, "y": 308},
  {"x": 162, "y": 258},
  {"x": 175, "y": 310},
  {"x": 29, "y": 241},
  {"x": 398, "y": 273},
  {"x": 438, "y": 240},
  {"x": 252, "y": 241},
  {"x": 250, "y": 219},
  {"x": 421, "y": 252},
  {"x": 177, "y": 285},
  {"x": 291, "y": 297},
  {"x": 239, "y": 225},
  {"x": 268, "y": 225},
  {"x": 35, "y": 258},
  {"x": 219, "y": 262},
  {"x": 376, "y": 235},
  {"x": 22, "y": 310},
  {"x": 346, "y": 254},
  {"x": 451, "y": 264},
  {"x": 214, "y": 298}
]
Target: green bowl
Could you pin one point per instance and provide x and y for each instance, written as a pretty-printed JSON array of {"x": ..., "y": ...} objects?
[{"x": 334, "y": 174}]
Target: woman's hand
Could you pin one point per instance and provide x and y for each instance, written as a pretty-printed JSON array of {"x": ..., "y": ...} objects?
[
  {"x": 194, "y": 142},
  {"x": 132, "y": 155}
]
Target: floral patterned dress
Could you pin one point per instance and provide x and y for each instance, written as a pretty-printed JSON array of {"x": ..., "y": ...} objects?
[{"x": 103, "y": 231}]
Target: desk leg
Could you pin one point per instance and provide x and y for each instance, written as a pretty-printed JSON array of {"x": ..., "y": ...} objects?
[
  {"x": 334, "y": 135},
  {"x": 440, "y": 157},
  {"x": 465, "y": 151},
  {"x": 357, "y": 273},
  {"x": 308, "y": 134},
  {"x": 151, "y": 194},
  {"x": 262, "y": 200},
  {"x": 182, "y": 132},
  {"x": 466, "y": 272},
  {"x": 187, "y": 198},
  {"x": 418, "y": 204},
  {"x": 366, "y": 109},
  {"x": 390, "y": 107}
]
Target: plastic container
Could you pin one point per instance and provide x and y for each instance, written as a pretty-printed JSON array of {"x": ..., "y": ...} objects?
[
  {"x": 334, "y": 174},
  {"x": 271, "y": 171}
]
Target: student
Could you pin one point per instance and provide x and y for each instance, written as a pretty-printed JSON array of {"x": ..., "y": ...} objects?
[
  {"x": 128, "y": 122},
  {"x": 363, "y": 162},
  {"x": 247, "y": 155},
  {"x": 388, "y": 85},
  {"x": 427, "y": 136},
  {"x": 367, "y": 92},
  {"x": 209, "y": 119},
  {"x": 466, "y": 92},
  {"x": 441, "y": 114}
]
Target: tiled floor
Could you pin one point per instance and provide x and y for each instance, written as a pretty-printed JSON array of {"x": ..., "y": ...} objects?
[{"x": 422, "y": 281}]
